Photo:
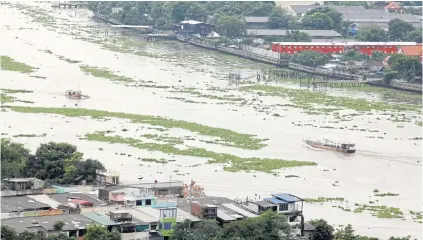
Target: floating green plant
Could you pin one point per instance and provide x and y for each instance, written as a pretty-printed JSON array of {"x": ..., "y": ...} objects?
[
  {"x": 104, "y": 73},
  {"x": 236, "y": 163},
  {"x": 229, "y": 137},
  {"x": 8, "y": 64}
]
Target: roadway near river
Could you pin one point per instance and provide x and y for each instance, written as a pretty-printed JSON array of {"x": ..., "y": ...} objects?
[{"x": 182, "y": 82}]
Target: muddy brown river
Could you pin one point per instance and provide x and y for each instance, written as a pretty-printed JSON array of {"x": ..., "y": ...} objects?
[{"x": 388, "y": 157}]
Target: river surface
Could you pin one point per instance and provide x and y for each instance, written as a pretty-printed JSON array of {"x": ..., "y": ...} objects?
[{"x": 389, "y": 164}]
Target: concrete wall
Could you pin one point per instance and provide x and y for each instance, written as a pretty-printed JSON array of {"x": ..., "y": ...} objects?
[{"x": 262, "y": 51}]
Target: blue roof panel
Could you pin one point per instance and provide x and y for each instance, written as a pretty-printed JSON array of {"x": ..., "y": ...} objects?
[
  {"x": 287, "y": 197},
  {"x": 274, "y": 200}
]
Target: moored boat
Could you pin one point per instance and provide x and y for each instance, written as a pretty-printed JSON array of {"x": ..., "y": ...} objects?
[{"x": 330, "y": 145}]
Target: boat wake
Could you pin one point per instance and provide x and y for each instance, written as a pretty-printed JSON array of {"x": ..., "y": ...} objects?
[{"x": 411, "y": 160}]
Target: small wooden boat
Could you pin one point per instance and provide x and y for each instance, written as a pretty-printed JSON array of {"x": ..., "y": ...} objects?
[
  {"x": 73, "y": 94},
  {"x": 330, "y": 145}
]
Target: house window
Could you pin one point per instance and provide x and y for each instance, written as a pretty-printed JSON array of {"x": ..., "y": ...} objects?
[
  {"x": 148, "y": 202},
  {"x": 283, "y": 207},
  {"x": 167, "y": 226}
]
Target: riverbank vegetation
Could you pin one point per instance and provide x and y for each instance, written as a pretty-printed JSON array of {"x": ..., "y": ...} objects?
[
  {"x": 9, "y": 64},
  {"x": 54, "y": 162}
]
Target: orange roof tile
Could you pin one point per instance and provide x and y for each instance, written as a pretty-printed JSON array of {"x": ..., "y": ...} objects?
[{"x": 412, "y": 50}]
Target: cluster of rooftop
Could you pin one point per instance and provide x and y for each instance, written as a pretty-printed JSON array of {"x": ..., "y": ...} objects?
[{"x": 136, "y": 211}]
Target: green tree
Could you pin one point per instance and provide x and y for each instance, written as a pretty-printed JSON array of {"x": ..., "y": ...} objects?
[
  {"x": 49, "y": 161},
  {"x": 58, "y": 226},
  {"x": 231, "y": 26},
  {"x": 197, "y": 11},
  {"x": 60, "y": 236},
  {"x": 296, "y": 36},
  {"x": 310, "y": 58},
  {"x": 414, "y": 36},
  {"x": 97, "y": 232},
  {"x": 269, "y": 225},
  {"x": 204, "y": 230},
  {"x": 29, "y": 236},
  {"x": 8, "y": 233},
  {"x": 261, "y": 9},
  {"x": 400, "y": 238},
  {"x": 87, "y": 169},
  {"x": 398, "y": 29},
  {"x": 335, "y": 16},
  {"x": 372, "y": 34},
  {"x": 14, "y": 157},
  {"x": 318, "y": 20},
  {"x": 279, "y": 19},
  {"x": 407, "y": 67},
  {"x": 345, "y": 234},
  {"x": 179, "y": 10},
  {"x": 324, "y": 231}
]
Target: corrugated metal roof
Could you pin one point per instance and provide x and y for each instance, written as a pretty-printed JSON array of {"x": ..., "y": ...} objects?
[
  {"x": 182, "y": 215},
  {"x": 239, "y": 210},
  {"x": 256, "y": 19},
  {"x": 224, "y": 216},
  {"x": 264, "y": 203},
  {"x": 275, "y": 200},
  {"x": 300, "y": 9},
  {"x": 287, "y": 197},
  {"x": 148, "y": 214},
  {"x": 412, "y": 50},
  {"x": 100, "y": 218}
]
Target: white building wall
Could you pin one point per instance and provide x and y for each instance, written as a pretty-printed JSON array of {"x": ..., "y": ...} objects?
[
  {"x": 135, "y": 236},
  {"x": 253, "y": 207},
  {"x": 291, "y": 207}
]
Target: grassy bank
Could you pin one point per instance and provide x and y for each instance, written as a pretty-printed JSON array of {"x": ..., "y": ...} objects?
[
  {"x": 104, "y": 73},
  {"x": 228, "y": 137},
  {"x": 306, "y": 99},
  {"x": 237, "y": 163},
  {"x": 9, "y": 64}
]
